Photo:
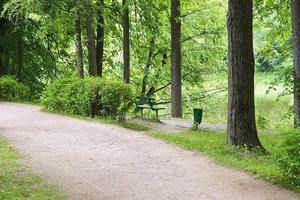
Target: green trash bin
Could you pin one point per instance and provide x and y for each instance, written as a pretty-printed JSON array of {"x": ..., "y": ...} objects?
[{"x": 198, "y": 112}]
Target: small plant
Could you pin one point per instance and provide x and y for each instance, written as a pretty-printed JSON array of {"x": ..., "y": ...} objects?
[
  {"x": 262, "y": 122},
  {"x": 11, "y": 90},
  {"x": 288, "y": 157}
]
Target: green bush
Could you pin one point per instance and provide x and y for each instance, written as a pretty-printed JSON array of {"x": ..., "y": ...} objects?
[
  {"x": 90, "y": 97},
  {"x": 262, "y": 122},
  {"x": 288, "y": 157},
  {"x": 10, "y": 89}
]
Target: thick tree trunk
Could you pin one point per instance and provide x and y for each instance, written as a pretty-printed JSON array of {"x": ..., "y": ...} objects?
[
  {"x": 241, "y": 124},
  {"x": 296, "y": 51},
  {"x": 91, "y": 38},
  {"x": 20, "y": 67},
  {"x": 79, "y": 42},
  {"x": 100, "y": 38},
  {"x": 126, "y": 42},
  {"x": 176, "y": 93}
]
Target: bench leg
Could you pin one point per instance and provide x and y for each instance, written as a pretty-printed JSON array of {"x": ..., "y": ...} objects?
[{"x": 157, "y": 115}]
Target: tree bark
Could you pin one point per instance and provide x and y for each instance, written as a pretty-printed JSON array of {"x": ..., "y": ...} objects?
[
  {"x": 241, "y": 126},
  {"x": 79, "y": 42},
  {"x": 176, "y": 93},
  {"x": 100, "y": 38},
  {"x": 148, "y": 65},
  {"x": 2, "y": 58},
  {"x": 296, "y": 52},
  {"x": 20, "y": 67},
  {"x": 91, "y": 39},
  {"x": 3, "y": 53},
  {"x": 126, "y": 42}
]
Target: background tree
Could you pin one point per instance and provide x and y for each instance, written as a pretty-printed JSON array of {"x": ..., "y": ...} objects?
[
  {"x": 79, "y": 48},
  {"x": 91, "y": 38},
  {"x": 49, "y": 35},
  {"x": 296, "y": 52},
  {"x": 20, "y": 46},
  {"x": 241, "y": 125},
  {"x": 126, "y": 41},
  {"x": 100, "y": 37},
  {"x": 176, "y": 93}
]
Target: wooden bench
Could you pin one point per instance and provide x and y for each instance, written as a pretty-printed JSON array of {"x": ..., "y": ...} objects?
[{"x": 145, "y": 102}]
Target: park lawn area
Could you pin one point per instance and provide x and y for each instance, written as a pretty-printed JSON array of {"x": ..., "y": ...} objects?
[
  {"x": 16, "y": 182},
  {"x": 212, "y": 144}
]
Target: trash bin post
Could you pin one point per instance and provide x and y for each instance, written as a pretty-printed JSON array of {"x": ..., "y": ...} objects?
[{"x": 198, "y": 112}]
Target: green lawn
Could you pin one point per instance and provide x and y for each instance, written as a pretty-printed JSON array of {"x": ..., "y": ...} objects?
[
  {"x": 272, "y": 110},
  {"x": 213, "y": 145},
  {"x": 17, "y": 183}
]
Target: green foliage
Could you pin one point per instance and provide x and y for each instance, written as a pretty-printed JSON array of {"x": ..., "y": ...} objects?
[
  {"x": 262, "y": 122},
  {"x": 17, "y": 183},
  {"x": 273, "y": 41},
  {"x": 288, "y": 157},
  {"x": 269, "y": 104},
  {"x": 10, "y": 89},
  {"x": 89, "y": 97}
]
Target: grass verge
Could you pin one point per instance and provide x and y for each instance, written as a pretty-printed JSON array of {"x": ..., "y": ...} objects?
[
  {"x": 212, "y": 144},
  {"x": 17, "y": 183},
  {"x": 124, "y": 124}
]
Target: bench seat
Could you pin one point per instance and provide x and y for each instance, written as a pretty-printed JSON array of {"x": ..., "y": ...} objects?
[{"x": 145, "y": 102}]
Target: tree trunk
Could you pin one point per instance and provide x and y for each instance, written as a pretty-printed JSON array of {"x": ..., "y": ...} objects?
[
  {"x": 126, "y": 42},
  {"x": 176, "y": 93},
  {"x": 241, "y": 124},
  {"x": 2, "y": 61},
  {"x": 20, "y": 66},
  {"x": 79, "y": 42},
  {"x": 296, "y": 51},
  {"x": 100, "y": 38},
  {"x": 6, "y": 62},
  {"x": 3, "y": 52},
  {"x": 91, "y": 39},
  {"x": 148, "y": 65}
]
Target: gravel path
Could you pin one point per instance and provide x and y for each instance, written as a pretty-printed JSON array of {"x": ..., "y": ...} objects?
[{"x": 96, "y": 161}]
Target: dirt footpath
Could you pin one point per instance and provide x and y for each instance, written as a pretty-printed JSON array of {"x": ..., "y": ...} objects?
[{"x": 96, "y": 161}]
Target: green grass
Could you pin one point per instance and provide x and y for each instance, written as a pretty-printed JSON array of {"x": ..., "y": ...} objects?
[
  {"x": 213, "y": 145},
  {"x": 124, "y": 124},
  {"x": 17, "y": 183},
  {"x": 275, "y": 110},
  {"x": 28, "y": 102}
]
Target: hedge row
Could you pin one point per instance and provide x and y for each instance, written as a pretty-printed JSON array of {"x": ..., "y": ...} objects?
[
  {"x": 90, "y": 97},
  {"x": 11, "y": 90}
]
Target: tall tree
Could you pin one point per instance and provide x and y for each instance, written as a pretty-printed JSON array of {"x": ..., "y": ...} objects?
[
  {"x": 100, "y": 37},
  {"x": 91, "y": 38},
  {"x": 20, "y": 46},
  {"x": 176, "y": 92},
  {"x": 241, "y": 126},
  {"x": 2, "y": 48},
  {"x": 296, "y": 52},
  {"x": 126, "y": 41},
  {"x": 79, "y": 41}
]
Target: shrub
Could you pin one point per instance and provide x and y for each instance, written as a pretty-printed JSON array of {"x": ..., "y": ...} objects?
[
  {"x": 262, "y": 122},
  {"x": 288, "y": 157},
  {"x": 10, "y": 89},
  {"x": 90, "y": 97}
]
